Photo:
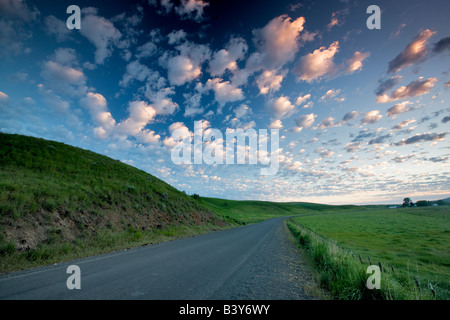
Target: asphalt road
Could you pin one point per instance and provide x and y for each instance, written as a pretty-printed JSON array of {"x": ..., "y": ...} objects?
[{"x": 251, "y": 262}]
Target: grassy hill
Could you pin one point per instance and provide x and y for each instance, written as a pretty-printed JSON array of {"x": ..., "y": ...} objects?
[
  {"x": 56, "y": 199},
  {"x": 59, "y": 202}
]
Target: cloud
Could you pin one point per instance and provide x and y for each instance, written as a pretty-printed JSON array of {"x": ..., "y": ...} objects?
[
  {"x": 281, "y": 107},
  {"x": 399, "y": 108},
  {"x": 161, "y": 101},
  {"x": 176, "y": 36},
  {"x": 422, "y": 137},
  {"x": 137, "y": 71},
  {"x": 442, "y": 45},
  {"x": 332, "y": 94},
  {"x": 186, "y": 66},
  {"x": 270, "y": 81},
  {"x": 387, "y": 84},
  {"x": 3, "y": 97},
  {"x": 18, "y": 9},
  {"x": 324, "y": 153},
  {"x": 403, "y": 124},
  {"x": 415, "y": 52},
  {"x": 379, "y": 139},
  {"x": 337, "y": 18},
  {"x": 227, "y": 58},
  {"x": 371, "y": 117},
  {"x": 304, "y": 121},
  {"x": 416, "y": 88},
  {"x": 352, "y": 146},
  {"x": 64, "y": 79},
  {"x": 327, "y": 123},
  {"x": 318, "y": 63},
  {"x": 191, "y": 9},
  {"x": 224, "y": 91},
  {"x": 146, "y": 50},
  {"x": 350, "y": 116},
  {"x": 355, "y": 62},
  {"x": 276, "y": 124},
  {"x": 181, "y": 70},
  {"x": 57, "y": 28},
  {"x": 100, "y": 32},
  {"x": 278, "y": 41},
  {"x": 96, "y": 104},
  {"x": 445, "y": 119},
  {"x": 301, "y": 100}
]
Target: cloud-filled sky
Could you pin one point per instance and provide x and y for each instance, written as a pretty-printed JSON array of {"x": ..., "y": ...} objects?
[{"x": 363, "y": 114}]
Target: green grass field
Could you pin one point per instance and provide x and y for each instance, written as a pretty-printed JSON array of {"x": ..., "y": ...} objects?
[
  {"x": 246, "y": 211},
  {"x": 408, "y": 242}
]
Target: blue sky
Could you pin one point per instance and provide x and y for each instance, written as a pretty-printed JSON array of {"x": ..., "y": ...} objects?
[{"x": 363, "y": 114}]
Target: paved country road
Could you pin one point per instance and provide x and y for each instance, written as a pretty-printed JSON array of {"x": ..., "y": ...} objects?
[{"x": 257, "y": 261}]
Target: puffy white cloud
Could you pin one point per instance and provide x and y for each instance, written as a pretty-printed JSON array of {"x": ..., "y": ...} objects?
[
  {"x": 137, "y": 71},
  {"x": 162, "y": 103},
  {"x": 181, "y": 70},
  {"x": 304, "y": 121},
  {"x": 332, "y": 94},
  {"x": 224, "y": 91},
  {"x": 101, "y": 32},
  {"x": 227, "y": 58},
  {"x": 281, "y": 107},
  {"x": 276, "y": 124},
  {"x": 270, "y": 81},
  {"x": 371, "y": 117},
  {"x": 96, "y": 104},
  {"x": 301, "y": 100},
  {"x": 186, "y": 66}
]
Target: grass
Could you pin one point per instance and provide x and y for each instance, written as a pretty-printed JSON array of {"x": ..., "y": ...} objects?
[
  {"x": 58, "y": 202},
  {"x": 247, "y": 211},
  {"x": 411, "y": 244}
]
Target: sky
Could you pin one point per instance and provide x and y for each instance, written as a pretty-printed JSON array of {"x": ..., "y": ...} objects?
[{"x": 362, "y": 113}]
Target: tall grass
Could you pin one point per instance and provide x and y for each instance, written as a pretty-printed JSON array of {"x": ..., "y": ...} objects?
[{"x": 344, "y": 275}]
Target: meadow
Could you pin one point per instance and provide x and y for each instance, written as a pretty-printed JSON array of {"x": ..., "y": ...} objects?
[{"x": 412, "y": 245}]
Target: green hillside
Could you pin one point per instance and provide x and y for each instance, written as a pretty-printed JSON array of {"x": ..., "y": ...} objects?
[{"x": 57, "y": 199}]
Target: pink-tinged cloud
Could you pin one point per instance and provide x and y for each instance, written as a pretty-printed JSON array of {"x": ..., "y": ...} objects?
[
  {"x": 355, "y": 62},
  {"x": 398, "y": 108},
  {"x": 269, "y": 81},
  {"x": 318, "y": 63},
  {"x": 279, "y": 39},
  {"x": 416, "y": 51},
  {"x": 371, "y": 117},
  {"x": 416, "y": 88}
]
